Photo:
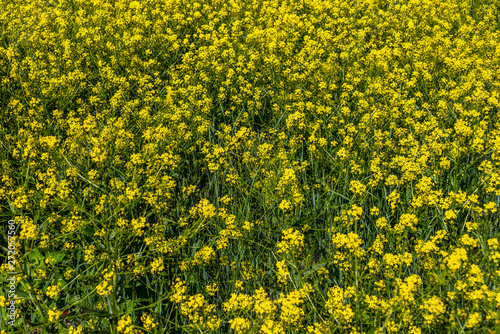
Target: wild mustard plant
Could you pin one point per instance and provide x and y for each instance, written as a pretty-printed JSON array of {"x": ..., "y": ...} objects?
[{"x": 257, "y": 166}]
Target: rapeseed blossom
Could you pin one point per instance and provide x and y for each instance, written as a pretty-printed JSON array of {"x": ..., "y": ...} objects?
[{"x": 261, "y": 166}]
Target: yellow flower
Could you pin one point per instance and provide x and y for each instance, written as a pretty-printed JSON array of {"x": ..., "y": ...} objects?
[
  {"x": 125, "y": 325},
  {"x": 434, "y": 308},
  {"x": 204, "y": 209},
  {"x": 292, "y": 312},
  {"x": 407, "y": 220},
  {"x": 474, "y": 320},
  {"x": 293, "y": 240},
  {"x": 381, "y": 222},
  {"x": 212, "y": 289},
  {"x": 285, "y": 205},
  {"x": 282, "y": 272},
  {"x": 157, "y": 266},
  {"x": 238, "y": 285},
  {"x": 467, "y": 241},
  {"x": 54, "y": 314},
  {"x": 148, "y": 322},
  {"x": 240, "y": 325},
  {"x": 263, "y": 306},
  {"x": 272, "y": 327},
  {"x": 53, "y": 290},
  {"x": 90, "y": 253},
  {"x": 238, "y": 302},
  {"x": 393, "y": 199},
  {"x": 456, "y": 258},
  {"x": 78, "y": 330},
  {"x": 106, "y": 286},
  {"x": 179, "y": 288},
  {"x": 493, "y": 244},
  {"x": 204, "y": 256},
  {"x": 336, "y": 304},
  {"x": 374, "y": 211},
  {"x": 357, "y": 187},
  {"x": 138, "y": 225}
]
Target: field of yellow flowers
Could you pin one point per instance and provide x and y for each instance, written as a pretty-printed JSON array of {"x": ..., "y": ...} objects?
[{"x": 265, "y": 166}]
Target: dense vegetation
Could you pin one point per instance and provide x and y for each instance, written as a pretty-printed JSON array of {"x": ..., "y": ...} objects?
[{"x": 324, "y": 166}]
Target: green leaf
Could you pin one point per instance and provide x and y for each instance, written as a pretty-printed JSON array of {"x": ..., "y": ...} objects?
[
  {"x": 61, "y": 280},
  {"x": 318, "y": 266},
  {"x": 35, "y": 255},
  {"x": 89, "y": 231},
  {"x": 58, "y": 256},
  {"x": 23, "y": 294}
]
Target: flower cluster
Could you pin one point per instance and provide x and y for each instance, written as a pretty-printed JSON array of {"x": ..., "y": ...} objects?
[{"x": 265, "y": 166}]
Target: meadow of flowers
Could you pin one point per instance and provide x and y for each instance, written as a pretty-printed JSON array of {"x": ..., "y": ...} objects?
[{"x": 265, "y": 166}]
